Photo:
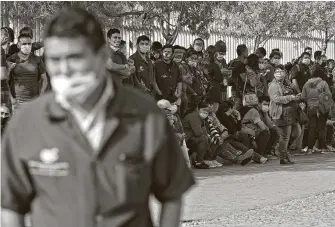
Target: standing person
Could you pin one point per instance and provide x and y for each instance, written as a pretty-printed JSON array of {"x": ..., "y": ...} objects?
[
  {"x": 179, "y": 54},
  {"x": 98, "y": 150},
  {"x": 156, "y": 51},
  {"x": 117, "y": 63},
  {"x": 14, "y": 48},
  {"x": 144, "y": 74},
  {"x": 28, "y": 78},
  {"x": 6, "y": 97},
  {"x": 167, "y": 75},
  {"x": 261, "y": 52},
  {"x": 238, "y": 72},
  {"x": 199, "y": 46},
  {"x": 283, "y": 110},
  {"x": 309, "y": 50},
  {"x": 300, "y": 73},
  {"x": 315, "y": 92},
  {"x": 218, "y": 73},
  {"x": 320, "y": 66}
]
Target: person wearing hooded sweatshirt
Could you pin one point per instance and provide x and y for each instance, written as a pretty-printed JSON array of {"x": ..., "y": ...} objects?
[
  {"x": 317, "y": 119},
  {"x": 218, "y": 73}
]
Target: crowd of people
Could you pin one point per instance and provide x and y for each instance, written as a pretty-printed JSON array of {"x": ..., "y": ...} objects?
[{"x": 275, "y": 110}]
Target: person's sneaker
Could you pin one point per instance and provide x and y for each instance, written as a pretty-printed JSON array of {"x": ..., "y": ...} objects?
[
  {"x": 330, "y": 148},
  {"x": 317, "y": 150},
  {"x": 271, "y": 157},
  {"x": 309, "y": 152},
  {"x": 246, "y": 157},
  {"x": 201, "y": 165},
  {"x": 286, "y": 162},
  {"x": 218, "y": 164},
  {"x": 263, "y": 160},
  {"x": 299, "y": 153},
  {"x": 305, "y": 149},
  {"x": 210, "y": 163}
]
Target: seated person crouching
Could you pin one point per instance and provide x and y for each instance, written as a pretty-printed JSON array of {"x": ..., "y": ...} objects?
[
  {"x": 257, "y": 120},
  {"x": 171, "y": 114},
  {"x": 222, "y": 145},
  {"x": 196, "y": 136},
  {"x": 239, "y": 137}
]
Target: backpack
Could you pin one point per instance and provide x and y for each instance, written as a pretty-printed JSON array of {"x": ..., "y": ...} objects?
[{"x": 319, "y": 100}]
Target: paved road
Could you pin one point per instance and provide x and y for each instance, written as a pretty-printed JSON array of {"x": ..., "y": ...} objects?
[{"x": 270, "y": 195}]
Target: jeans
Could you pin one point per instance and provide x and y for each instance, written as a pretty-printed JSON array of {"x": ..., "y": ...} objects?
[
  {"x": 262, "y": 139},
  {"x": 329, "y": 135},
  {"x": 317, "y": 129},
  {"x": 285, "y": 133},
  {"x": 199, "y": 145},
  {"x": 297, "y": 145}
]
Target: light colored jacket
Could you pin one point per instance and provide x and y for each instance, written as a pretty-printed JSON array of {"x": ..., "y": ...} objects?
[
  {"x": 277, "y": 99},
  {"x": 318, "y": 84}
]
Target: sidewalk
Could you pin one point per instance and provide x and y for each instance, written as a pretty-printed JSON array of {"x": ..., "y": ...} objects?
[{"x": 237, "y": 189}]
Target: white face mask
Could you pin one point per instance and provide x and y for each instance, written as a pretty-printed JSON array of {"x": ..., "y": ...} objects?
[
  {"x": 261, "y": 66},
  {"x": 306, "y": 61},
  {"x": 178, "y": 60},
  {"x": 144, "y": 49},
  {"x": 173, "y": 109},
  {"x": 74, "y": 89},
  {"x": 26, "y": 49},
  {"x": 265, "y": 108},
  {"x": 279, "y": 76},
  {"x": 192, "y": 63},
  {"x": 275, "y": 61},
  {"x": 197, "y": 48}
]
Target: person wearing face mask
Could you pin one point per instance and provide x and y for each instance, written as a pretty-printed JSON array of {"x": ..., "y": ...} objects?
[
  {"x": 319, "y": 66},
  {"x": 179, "y": 54},
  {"x": 13, "y": 48},
  {"x": 218, "y": 72},
  {"x": 238, "y": 72},
  {"x": 92, "y": 145},
  {"x": 283, "y": 110},
  {"x": 156, "y": 51},
  {"x": 314, "y": 92},
  {"x": 264, "y": 130},
  {"x": 199, "y": 81},
  {"x": 196, "y": 136},
  {"x": 171, "y": 113},
  {"x": 198, "y": 46},
  {"x": 27, "y": 78},
  {"x": 275, "y": 59},
  {"x": 144, "y": 74},
  {"x": 300, "y": 73},
  {"x": 117, "y": 63},
  {"x": 168, "y": 76}
]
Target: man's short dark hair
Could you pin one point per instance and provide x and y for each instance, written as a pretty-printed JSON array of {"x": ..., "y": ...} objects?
[
  {"x": 24, "y": 36},
  {"x": 275, "y": 53},
  {"x": 263, "y": 99},
  {"x": 156, "y": 46},
  {"x": 113, "y": 31},
  {"x": 279, "y": 67},
  {"x": 177, "y": 47},
  {"x": 305, "y": 53},
  {"x": 317, "y": 54},
  {"x": 307, "y": 48},
  {"x": 330, "y": 60},
  {"x": 241, "y": 49},
  {"x": 190, "y": 52},
  {"x": 27, "y": 31},
  {"x": 142, "y": 38},
  {"x": 226, "y": 105},
  {"x": 200, "y": 39},
  {"x": 76, "y": 22},
  {"x": 261, "y": 50},
  {"x": 167, "y": 46}
]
